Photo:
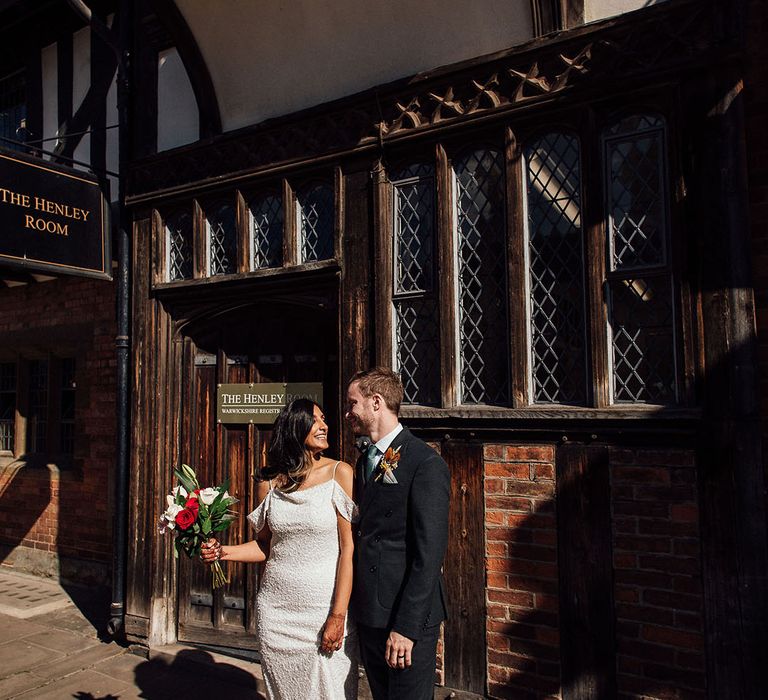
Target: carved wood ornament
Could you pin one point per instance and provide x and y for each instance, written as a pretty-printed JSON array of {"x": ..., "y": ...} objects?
[{"x": 602, "y": 56}]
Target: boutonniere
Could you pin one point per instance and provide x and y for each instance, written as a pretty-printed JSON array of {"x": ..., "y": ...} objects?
[{"x": 387, "y": 466}]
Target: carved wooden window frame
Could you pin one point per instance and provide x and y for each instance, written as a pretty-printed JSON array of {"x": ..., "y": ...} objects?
[
  {"x": 286, "y": 187},
  {"x": 587, "y": 123}
]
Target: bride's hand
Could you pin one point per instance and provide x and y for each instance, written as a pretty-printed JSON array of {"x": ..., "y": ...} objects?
[
  {"x": 210, "y": 551},
  {"x": 332, "y": 633}
]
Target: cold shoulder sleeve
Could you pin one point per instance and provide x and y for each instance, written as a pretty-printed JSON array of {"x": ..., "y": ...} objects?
[
  {"x": 343, "y": 504},
  {"x": 259, "y": 516}
]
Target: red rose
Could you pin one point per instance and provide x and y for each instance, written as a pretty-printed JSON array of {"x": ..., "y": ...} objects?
[
  {"x": 186, "y": 518},
  {"x": 192, "y": 504}
]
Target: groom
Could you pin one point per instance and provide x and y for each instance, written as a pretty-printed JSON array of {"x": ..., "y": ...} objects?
[{"x": 403, "y": 488}]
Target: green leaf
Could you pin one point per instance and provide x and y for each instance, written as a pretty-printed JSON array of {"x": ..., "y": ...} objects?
[
  {"x": 184, "y": 481},
  {"x": 222, "y": 488},
  {"x": 190, "y": 473}
]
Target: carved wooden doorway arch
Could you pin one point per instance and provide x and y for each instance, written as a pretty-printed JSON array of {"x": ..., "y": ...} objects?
[{"x": 267, "y": 341}]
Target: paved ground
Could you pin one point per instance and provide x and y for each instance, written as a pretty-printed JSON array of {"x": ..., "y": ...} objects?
[{"x": 52, "y": 647}]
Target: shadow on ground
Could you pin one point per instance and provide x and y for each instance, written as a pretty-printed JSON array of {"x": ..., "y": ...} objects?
[{"x": 193, "y": 673}]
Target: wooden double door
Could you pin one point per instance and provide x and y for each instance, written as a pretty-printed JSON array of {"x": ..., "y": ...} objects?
[{"x": 267, "y": 343}]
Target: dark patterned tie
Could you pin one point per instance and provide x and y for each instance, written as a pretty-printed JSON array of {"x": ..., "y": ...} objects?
[{"x": 371, "y": 457}]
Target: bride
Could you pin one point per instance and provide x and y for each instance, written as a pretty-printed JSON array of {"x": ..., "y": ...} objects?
[{"x": 303, "y": 524}]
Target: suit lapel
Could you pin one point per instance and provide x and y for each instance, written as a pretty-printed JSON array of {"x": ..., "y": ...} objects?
[{"x": 371, "y": 490}]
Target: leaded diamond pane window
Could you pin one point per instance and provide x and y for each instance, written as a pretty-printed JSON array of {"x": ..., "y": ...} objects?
[
  {"x": 222, "y": 239},
  {"x": 417, "y": 357},
  {"x": 266, "y": 214},
  {"x": 315, "y": 222},
  {"x": 555, "y": 270},
  {"x": 642, "y": 314},
  {"x": 178, "y": 230},
  {"x": 7, "y": 405},
  {"x": 640, "y": 304},
  {"x": 636, "y": 195},
  {"x": 482, "y": 280},
  {"x": 414, "y": 229},
  {"x": 37, "y": 421},
  {"x": 416, "y": 329}
]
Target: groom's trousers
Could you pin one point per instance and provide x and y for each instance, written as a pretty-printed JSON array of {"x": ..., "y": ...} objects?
[{"x": 417, "y": 682}]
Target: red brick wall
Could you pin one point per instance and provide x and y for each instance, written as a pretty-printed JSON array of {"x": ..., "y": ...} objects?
[
  {"x": 521, "y": 556},
  {"x": 657, "y": 574},
  {"x": 66, "y": 513}
]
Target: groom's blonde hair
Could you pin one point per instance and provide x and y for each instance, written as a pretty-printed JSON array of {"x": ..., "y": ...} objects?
[{"x": 381, "y": 381}]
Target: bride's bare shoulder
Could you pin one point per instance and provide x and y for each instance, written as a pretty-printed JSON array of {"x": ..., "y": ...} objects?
[{"x": 345, "y": 476}]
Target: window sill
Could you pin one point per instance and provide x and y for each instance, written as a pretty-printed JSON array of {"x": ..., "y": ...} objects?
[
  {"x": 40, "y": 466},
  {"x": 269, "y": 273},
  {"x": 555, "y": 418}
]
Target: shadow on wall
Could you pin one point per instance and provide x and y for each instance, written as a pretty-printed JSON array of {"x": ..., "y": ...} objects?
[
  {"x": 36, "y": 532},
  {"x": 25, "y": 496},
  {"x": 615, "y": 566}
]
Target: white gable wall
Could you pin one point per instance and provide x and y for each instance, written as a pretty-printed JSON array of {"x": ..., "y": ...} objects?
[
  {"x": 600, "y": 9},
  {"x": 275, "y": 57},
  {"x": 177, "y": 113}
]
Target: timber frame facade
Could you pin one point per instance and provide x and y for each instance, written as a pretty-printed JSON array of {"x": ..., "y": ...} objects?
[{"x": 598, "y": 548}]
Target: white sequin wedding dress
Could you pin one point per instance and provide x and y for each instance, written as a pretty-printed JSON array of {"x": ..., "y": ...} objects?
[{"x": 296, "y": 594}]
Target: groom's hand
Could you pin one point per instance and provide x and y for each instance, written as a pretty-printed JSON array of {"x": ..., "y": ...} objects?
[{"x": 399, "y": 649}]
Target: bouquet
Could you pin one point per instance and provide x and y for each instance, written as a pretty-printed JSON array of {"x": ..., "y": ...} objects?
[{"x": 195, "y": 513}]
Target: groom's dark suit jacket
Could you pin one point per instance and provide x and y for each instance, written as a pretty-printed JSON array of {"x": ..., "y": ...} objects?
[{"x": 401, "y": 539}]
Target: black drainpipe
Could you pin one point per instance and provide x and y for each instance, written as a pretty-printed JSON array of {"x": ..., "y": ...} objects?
[
  {"x": 122, "y": 49},
  {"x": 123, "y": 340}
]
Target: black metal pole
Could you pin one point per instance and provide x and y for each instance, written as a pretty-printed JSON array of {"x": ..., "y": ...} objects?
[{"x": 122, "y": 340}]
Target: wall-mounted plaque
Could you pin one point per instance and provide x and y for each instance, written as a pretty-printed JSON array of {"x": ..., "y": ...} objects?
[
  {"x": 52, "y": 218},
  {"x": 260, "y": 403}
]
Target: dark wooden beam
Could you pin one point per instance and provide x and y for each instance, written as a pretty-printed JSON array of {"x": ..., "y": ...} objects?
[
  {"x": 546, "y": 15},
  {"x": 730, "y": 460},
  {"x": 587, "y": 640},
  {"x": 465, "y": 648},
  {"x": 571, "y": 13},
  {"x": 89, "y": 113}
]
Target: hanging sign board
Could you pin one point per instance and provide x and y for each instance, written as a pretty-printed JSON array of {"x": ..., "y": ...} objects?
[
  {"x": 52, "y": 219},
  {"x": 260, "y": 403}
]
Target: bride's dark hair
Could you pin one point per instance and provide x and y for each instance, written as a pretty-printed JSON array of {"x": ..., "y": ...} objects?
[{"x": 287, "y": 455}]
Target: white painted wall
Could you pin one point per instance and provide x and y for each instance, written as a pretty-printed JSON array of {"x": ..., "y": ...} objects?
[
  {"x": 50, "y": 69},
  {"x": 81, "y": 81},
  {"x": 274, "y": 57},
  {"x": 177, "y": 112},
  {"x": 600, "y": 9}
]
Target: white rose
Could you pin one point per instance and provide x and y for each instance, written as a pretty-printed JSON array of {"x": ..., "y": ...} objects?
[
  {"x": 171, "y": 513},
  {"x": 207, "y": 496},
  {"x": 179, "y": 490}
]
